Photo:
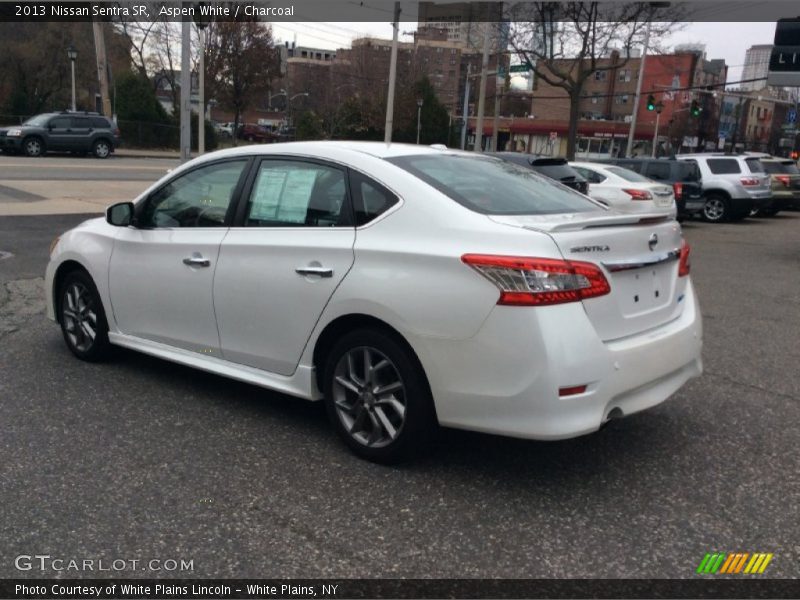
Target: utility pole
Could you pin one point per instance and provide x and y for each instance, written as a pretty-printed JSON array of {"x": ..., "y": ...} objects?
[
  {"x": 466, "y": 109},
  {"x": 629, "y": 149},
  {"x": 186, "y": 92},
  {"x": 387, "y": 136},
  {"x": 478, "y": 147},
  {"x": 102, "y": 68},
  {"x": 495, "y": 133}
]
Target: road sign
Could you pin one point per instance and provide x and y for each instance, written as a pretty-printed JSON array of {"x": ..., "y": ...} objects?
[
  {"x": 523, "y": 68},
  {"x": 784, "y": 62},
  {"x": 791, "y": 116}
]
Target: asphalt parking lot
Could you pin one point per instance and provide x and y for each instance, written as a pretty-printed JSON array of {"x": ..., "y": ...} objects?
[{"x": 142, "y": 459}]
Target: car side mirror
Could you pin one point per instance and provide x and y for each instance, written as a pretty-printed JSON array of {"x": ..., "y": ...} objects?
[{"x": 120, "y": 215}]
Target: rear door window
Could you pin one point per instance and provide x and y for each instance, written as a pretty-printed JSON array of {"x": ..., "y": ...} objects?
[
  {"x": 723, "y": 166},
  {"x": 60, "y": 123},
  {"x": 100, "y": 123}
]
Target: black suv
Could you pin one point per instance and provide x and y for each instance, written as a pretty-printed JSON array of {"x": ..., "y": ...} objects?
[
  {"x": 683, "y": 176},
  {"x": 62, "y": 132},
  {"x": 554, "y": 168}
]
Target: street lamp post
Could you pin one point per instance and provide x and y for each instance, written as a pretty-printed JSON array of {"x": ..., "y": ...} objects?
[
  {"x": 201, "y": 83},
  {"x": 659, "y": 108},
  {"x": 419, "y": 117},
  {"x": 73, "y": 55}
]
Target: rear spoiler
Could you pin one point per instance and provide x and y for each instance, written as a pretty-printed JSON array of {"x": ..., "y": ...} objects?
[{"x": 578, "y": 221}]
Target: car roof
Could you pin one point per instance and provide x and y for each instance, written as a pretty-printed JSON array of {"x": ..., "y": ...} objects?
[{"x": 376, "y": 149}]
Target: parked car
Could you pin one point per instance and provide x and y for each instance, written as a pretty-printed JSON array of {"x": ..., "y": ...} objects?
[
  {"x": 78, "y": 132},
  {"x": 552, "y": 167},
  {"x": 733, "y": 185},
  {"x": 406, "y": 286},
  {"x": 626, "y": 190},
  {"x": 256, "y": 133},
  {"x": 684, "y": 177},
  {"x": 785, "y": 181}
]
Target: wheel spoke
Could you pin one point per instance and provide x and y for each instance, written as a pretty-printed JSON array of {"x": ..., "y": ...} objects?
[
  {"x": 396, "y": 405},
  {"x": 351, "y": 370},
  {"x": 87, "y": 329},
  {"x": 367, "y": 367},
  {"x": 70, "y": 314},
  {"x": 347, "y": 384},
  {"x": 359, "y": 420},
  {"x": 387, "y": 425},
  {"x": 388, "y": 388}
]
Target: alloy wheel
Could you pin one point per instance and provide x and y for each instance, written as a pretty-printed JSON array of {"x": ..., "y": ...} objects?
[
  {"x": 714, "y": 209},
  {"x": 33, "y": 147},
  {"x": 79, "y": 316},
  {"x": 101, "y": 150},
  {"x": 369, "y": 397}
]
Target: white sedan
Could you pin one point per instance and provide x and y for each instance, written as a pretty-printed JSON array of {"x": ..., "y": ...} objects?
[
  {"x": 626, "y": 190},
  {"x": 406, "y": 286}
]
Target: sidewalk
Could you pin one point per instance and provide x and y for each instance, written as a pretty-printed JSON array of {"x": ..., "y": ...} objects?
[{"x": 135, "y": 153}]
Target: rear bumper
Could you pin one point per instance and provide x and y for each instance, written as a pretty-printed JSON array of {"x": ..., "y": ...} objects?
[
  {"x": 505, "y": 380},
  {"x": 782, "y": 200}
]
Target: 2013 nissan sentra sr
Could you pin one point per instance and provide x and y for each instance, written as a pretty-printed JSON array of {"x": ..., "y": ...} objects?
[{"x": 405, "y": 286}]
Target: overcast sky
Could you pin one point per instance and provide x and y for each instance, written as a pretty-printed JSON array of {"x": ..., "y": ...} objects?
[{"x": 722, "y": 40}]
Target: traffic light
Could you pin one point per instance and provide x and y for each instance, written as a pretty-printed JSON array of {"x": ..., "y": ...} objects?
[
  {"x": 651, "y": 102},
  {"x": 695, "y": 110}
]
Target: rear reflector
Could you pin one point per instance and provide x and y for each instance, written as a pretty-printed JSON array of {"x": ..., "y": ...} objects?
[
  {"x": 639, "y": 194},
  {"x": 526, "y": 281},
  {"x": 571, "y": 391},
  {"x": 683, "y": 264}
]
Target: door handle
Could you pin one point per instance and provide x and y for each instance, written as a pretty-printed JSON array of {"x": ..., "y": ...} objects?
[
  {"x": 320, "y": 271},
  {"x": 197, "y": 261}
]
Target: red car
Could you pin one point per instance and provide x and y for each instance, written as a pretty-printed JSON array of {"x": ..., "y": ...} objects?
[{"x": 256, "y": 133}]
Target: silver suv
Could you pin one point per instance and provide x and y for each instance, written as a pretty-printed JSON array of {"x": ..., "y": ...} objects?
[{"x": 733, "y": 185}]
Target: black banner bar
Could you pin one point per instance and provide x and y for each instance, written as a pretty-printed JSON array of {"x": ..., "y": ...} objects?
[{"x": 296, "y": 589}]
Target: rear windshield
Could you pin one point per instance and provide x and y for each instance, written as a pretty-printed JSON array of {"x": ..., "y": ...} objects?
[
  {"x": 559, "y": 172},
  {"x": 627, "y": 174},
  {"x": 781, "y": 167},
  {"x": 492, "y": 186},
  {"x": 754, "y": 165}
]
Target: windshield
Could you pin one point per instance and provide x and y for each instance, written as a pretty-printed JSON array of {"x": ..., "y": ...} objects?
[
  {"x": 492, "y": 186},
  {"x": 37, "y": 121},
  {"x": 628, "y": 175},
  {"x": 787, "y": 167}
]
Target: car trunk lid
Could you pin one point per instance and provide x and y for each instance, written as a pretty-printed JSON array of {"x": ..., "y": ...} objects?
[{"x": 639, "y": 256}]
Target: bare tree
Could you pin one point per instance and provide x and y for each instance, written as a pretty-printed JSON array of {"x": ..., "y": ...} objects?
[
  {"x": 241, "y": 60},
  {"x": 564, "y": 42}
]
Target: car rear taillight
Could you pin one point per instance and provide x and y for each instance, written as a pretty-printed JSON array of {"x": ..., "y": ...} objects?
[
  {"x": 117, "y": 132},
  {"x": 683, "y": 263},
  {"x": 784, "y": 179},
  {"x": 639, "y": 194},
  {"x": 677, "y": 188},
  {"x": 749, "y": 181},
  {"x": 525, "y": 281}
]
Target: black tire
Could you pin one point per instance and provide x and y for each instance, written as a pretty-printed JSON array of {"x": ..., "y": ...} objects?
[
  {"x": 359, "y": 413},
  {"x": 33, "y": 146},
  {"x": 716, "y": 209},
  {"x": 80, "y": 312},
  {"x": 101, "y": 149}
]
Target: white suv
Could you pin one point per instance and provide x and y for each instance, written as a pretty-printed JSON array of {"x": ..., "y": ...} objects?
[{"x": 733, "y": 185}]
